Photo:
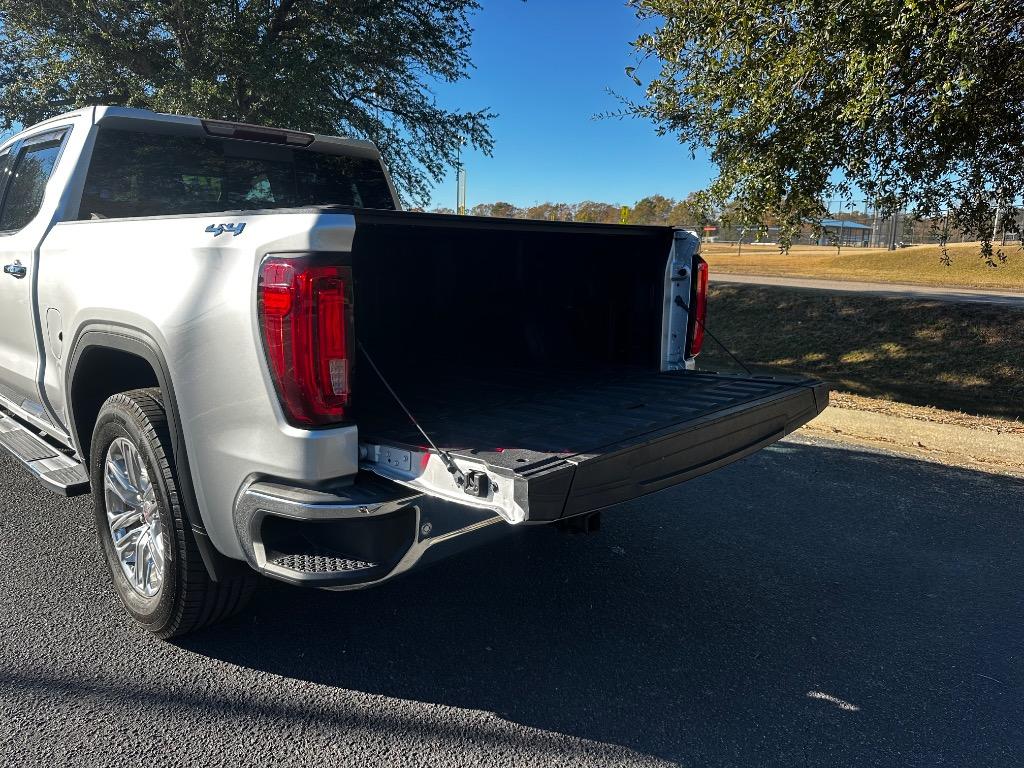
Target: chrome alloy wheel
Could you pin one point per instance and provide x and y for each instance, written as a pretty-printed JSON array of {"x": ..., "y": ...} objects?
[{"x": 134, "y": 518}]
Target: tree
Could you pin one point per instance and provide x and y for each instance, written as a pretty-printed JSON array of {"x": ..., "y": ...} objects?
[
  {"x": 696, "y": 210},
  {"x": 596, "y": 213},
  {"x": 909, "y": 102},
  {"x": 549, "y": 212},
  {"x": 505, "y": 210},
  {"x": 361, "y": 68},
  {"x": 651, "y": 210}
]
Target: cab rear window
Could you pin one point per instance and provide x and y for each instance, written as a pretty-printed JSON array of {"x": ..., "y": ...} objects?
[{"x": 134, "y": 173}]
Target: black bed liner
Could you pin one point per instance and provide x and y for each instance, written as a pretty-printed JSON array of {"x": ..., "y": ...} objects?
[{"x": 578, "y": 441}]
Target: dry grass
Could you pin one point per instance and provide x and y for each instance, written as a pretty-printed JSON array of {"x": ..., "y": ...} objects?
[
  {"x": 965, "y": 357},
  {"x": 918, "y": 264}
]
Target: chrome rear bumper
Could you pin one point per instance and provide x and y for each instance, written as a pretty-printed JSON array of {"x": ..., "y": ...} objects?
[{"x": 354, "y": 536}]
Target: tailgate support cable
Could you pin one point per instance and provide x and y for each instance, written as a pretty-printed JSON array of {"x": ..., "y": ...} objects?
[
  {"x": 449, "y": 462},
  {"x": 727, "y": 350},
  {"x": 740, "y": 363}
]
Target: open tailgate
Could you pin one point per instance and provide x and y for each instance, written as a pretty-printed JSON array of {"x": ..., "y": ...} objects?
[{"x": 546, "y": 446}]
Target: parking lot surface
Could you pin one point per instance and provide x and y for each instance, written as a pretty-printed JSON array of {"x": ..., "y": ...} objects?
[{"x": 810, "y": 605}]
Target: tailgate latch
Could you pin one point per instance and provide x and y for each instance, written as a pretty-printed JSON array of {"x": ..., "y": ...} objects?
[{"x": 477, "y": 484}]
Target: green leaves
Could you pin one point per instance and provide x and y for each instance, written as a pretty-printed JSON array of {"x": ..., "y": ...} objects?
[
  {"x": 908, "y": 103},
  {"x": 361, "y": 68}
]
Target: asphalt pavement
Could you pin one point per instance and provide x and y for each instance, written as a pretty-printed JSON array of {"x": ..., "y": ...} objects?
[
  {"x": 887, "y": 290},
  {"x": 811, "y": 605}
]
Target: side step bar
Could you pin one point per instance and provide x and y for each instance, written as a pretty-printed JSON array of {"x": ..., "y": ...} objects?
[{"x": 56, "y": 470}]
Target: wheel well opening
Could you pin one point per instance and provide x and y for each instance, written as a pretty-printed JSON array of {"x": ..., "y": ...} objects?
[{"x": 100, "y": 373}]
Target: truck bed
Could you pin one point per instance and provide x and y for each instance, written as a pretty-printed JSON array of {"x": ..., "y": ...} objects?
[{"x": 576, "y": 441}]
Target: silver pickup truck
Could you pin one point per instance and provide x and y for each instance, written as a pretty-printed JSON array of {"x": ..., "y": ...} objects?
[{"x": 256, "y": 363}]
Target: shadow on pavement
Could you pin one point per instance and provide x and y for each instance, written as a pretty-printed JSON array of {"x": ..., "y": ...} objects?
[{"x": 810, "y": 603}]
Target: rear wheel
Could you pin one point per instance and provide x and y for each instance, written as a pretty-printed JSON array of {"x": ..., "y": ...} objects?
[{"x": 147, "y": 540}]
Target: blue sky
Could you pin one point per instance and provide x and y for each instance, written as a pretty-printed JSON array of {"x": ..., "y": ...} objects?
[{"x": 545, "y": 67}]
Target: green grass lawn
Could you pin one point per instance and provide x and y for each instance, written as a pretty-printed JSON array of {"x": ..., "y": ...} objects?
[
  {"x": 918, "y": 264},
  {"x": 966, "y": 357}
]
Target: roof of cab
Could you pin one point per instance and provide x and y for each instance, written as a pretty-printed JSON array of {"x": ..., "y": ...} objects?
[{"x": 112, "y": 113}]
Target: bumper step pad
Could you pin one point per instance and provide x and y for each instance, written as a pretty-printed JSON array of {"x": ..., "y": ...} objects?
[
  {"x": 321, "y": 563},
  {"x": 58, "y": 471}
]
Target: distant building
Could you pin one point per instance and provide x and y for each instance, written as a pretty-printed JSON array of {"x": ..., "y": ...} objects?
[{"x": 844, "y": 233}]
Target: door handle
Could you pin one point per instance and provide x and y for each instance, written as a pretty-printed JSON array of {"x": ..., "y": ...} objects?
[{"x": 16, "y": 270}]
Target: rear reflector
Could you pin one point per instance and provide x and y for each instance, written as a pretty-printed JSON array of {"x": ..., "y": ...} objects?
[
  {"x": 700, "y": 306},
  {"x": 305, "y": 312}
]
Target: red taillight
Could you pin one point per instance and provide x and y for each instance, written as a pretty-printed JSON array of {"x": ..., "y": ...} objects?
[
  {"x": 305, "y": 311},
  {"x": 700, "y": 306}
]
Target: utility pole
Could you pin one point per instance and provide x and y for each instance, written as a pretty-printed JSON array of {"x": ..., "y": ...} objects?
[
  {"x": 999, "y": 225},
  {"x": 460, "y": 180},
  {"x": 892, "y": 229},
  {"x": 999, "y": 214},
  {"x": 462, "y": 191},
  {"x": 842, "y": 231},
  {"x": 874, "y": 215}
]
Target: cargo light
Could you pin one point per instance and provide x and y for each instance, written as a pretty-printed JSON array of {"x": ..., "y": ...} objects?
[
  {"x": 305, "y": 312},
  {"x": 700, "y": 306},
  {"x": 248, "y": 132}
]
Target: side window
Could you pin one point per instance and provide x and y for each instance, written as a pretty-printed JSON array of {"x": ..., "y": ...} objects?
[
  {"x": 4, "y": 157},
  {"x": 27, "y": 182}
]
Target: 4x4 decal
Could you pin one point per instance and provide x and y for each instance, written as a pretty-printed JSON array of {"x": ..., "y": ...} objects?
[{"x": 219, "y": 229}]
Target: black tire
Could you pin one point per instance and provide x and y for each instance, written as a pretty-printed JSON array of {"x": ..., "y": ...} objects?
[{"x": 188, "y": 598}]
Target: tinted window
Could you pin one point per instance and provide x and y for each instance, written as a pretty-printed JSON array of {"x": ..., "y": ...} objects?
[
  {"x": 4, "y": 157},
  {"x": 27, "y": 182},
  {"x": 146, "y": 174}
]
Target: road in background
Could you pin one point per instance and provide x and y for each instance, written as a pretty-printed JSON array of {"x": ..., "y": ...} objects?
[
  {"x": 810, "y": 605},
  {"x": 888, "y": 290}
]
